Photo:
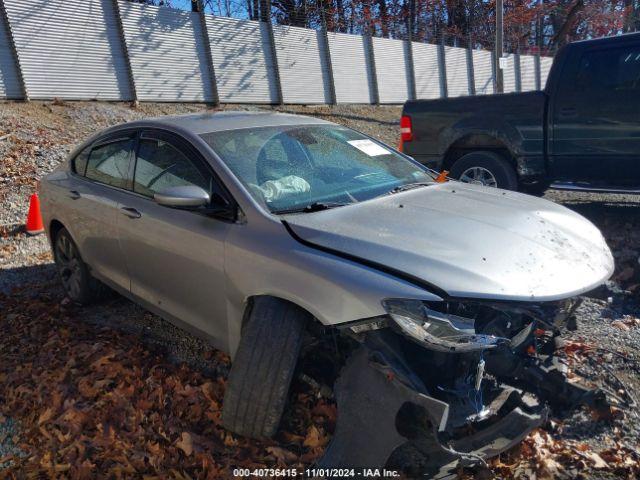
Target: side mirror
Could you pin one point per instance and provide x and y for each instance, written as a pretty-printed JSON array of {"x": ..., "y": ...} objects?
[{"x": 187, "y": 196}]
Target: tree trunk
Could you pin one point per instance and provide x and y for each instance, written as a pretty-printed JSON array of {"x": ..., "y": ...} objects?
[{"x": 560, "y": 37}]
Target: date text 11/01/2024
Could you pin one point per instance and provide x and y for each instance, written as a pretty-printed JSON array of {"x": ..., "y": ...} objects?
[{"x": 316, "y": 472}]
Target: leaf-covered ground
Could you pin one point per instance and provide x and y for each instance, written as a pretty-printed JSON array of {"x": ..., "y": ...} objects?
[{"x": 91, "y": 399}]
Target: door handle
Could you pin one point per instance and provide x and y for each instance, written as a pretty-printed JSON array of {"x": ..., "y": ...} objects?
[
  {"x": 568, "y": 112},
  {"x": 74, "y": 194},
  {"x": 131, "y": 212}
]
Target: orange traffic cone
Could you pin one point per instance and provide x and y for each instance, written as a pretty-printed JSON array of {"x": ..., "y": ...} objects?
[
  {"x": 442, "y": 177},
  {"x": 34, "y": 218}
]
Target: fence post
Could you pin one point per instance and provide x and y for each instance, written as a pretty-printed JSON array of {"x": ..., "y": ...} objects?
[
  {"x": 537, "y": 72},
  {"x": 265, "y": 14},
  {"x": 125, "y": 51},
  {"x": 442, "y": 69},
  {"x": 517, "y": 72},
  {"x": 207, "y": 50},
  {"x": 332, "y": 85},
  {"x": 471, "y": 78},
  {"x": 409, "y": 53},
  {"x": 14, "y": 51},
  {"x": 371, "y": 60}
]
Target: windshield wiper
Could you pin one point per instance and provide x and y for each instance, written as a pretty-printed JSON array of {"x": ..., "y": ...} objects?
[
  {"x": 314, "y": 207},
  {"x": 408, "y": 186}
]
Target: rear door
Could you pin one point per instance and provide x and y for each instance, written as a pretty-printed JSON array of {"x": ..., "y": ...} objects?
[
  {"x": 175, "y": 257},
  {"x": 97, "y": 186},
  {"x": 596, "y": 124}
]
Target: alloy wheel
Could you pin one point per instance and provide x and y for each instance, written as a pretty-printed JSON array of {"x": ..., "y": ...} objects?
[
  {"x": 479, "y": 176},
  {"x": 69, "y": 266}
]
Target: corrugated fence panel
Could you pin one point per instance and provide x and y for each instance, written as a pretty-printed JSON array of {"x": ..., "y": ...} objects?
[
  {"x": 391, "y": 70},
  {"x": 167, "y": 53},
  {"x": 9, "y": 78},
  {"x": 303, "y": 73},
  {"x": 455, "y": 59},
  {"x": 527, "y": 72},
  {"x": 69, "y": 50},
  {"x": 545, "y": 67},
  {"x": 483, "y": 71},
  {"x": 425, "y": 63},
  {"x": 509, "y": 73},
  {"x": 349, "y": 62},
  {"x": 242, "y": 60}
]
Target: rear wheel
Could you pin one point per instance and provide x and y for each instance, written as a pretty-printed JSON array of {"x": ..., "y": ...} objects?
[
  {"x": 78, "y": 283},
  {"x": 485, "y": 168},
  {"x": 262, "y": 370}
]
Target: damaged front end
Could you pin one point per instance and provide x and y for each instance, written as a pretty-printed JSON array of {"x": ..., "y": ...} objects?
[{"x": 434, "y": 386}]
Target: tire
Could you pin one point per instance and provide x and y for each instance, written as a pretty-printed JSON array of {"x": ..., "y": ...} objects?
[
  {"x": 78, "y": 283},
  {"x": 262, "y": 370},
  {"x": 486, "y": 161}
]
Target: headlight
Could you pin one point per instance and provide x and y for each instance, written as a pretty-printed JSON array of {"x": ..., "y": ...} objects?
[{"x": 436, "y": 330}]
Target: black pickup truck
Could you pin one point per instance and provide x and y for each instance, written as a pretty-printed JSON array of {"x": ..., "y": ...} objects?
[{"x": 581, "y": 132}]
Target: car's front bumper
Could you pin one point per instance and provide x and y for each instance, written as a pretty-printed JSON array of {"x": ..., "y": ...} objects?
[
  {"x": 405, "y": 406},
  {"x": 372, "y": 399}
]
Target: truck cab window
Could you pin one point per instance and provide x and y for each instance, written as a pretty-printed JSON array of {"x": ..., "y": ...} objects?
[{"x": 609, "y": 70}]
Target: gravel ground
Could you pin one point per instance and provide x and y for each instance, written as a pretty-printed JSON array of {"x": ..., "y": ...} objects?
[
  {"x": 8, "y": 430},
  {"x": 35, "y": 137}
]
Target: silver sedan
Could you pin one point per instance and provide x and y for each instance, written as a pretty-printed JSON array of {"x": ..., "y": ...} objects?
[{"x": 258, "y": 230}]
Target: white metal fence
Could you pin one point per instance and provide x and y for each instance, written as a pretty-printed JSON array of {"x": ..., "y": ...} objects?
[{"x": 116, "y": 50}]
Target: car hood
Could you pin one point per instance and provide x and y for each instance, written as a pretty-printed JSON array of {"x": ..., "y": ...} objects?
[{"x": 468, "y": 241}]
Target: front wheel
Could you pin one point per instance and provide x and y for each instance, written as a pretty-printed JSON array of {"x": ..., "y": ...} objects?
[
  {"x": 262, "y": 371},
  {"x": 485, "y": 168}
]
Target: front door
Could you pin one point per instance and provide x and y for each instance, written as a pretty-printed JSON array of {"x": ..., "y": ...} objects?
[
  {"x": 596, "y": 124},
  {"x": 175, "y": 257}
]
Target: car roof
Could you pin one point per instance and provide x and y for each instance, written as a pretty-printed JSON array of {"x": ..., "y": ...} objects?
[{"x": 206, "y": 122}]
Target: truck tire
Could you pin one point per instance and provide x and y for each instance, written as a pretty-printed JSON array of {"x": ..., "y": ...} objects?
[
  {"x": 77, "y": 281},
  {"x": 262, "y": 370},
  {"x": 485, "y": 168}
]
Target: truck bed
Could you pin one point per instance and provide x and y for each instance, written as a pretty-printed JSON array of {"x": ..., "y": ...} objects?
[{"x": 516, "y": 119}]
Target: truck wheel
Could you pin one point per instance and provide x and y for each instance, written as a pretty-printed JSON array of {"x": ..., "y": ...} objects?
[
  {"x": 485, "y": 168},
  {"x": 78, "y": 283},
  {"x": 262, "y": 370}
]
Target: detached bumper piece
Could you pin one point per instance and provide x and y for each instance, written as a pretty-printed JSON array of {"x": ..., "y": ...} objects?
[{"x": 386, "y": 419}]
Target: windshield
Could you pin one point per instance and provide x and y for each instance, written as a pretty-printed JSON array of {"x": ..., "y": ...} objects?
[{"x": 293, "y": 168}]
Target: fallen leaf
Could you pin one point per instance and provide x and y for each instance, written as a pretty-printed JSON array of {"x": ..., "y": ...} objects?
[
  {"x": 46, "y": 416},
  {"x": 314, "y": 438},
  {"x": 620, "y": 325},
  {"x": 597, "y": 461},
  {"x": 185, "y": 443},
  {"x": 282, "y": 455}
]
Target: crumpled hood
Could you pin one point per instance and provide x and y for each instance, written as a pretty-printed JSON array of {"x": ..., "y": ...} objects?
[{"x": 469, "y": 241}]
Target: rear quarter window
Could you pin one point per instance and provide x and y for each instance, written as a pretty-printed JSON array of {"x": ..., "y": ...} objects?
[{"x": 79, "y": 162}]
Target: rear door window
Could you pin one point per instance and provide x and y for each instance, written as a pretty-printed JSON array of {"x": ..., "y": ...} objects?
[{"x": 109, "y": 163}]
